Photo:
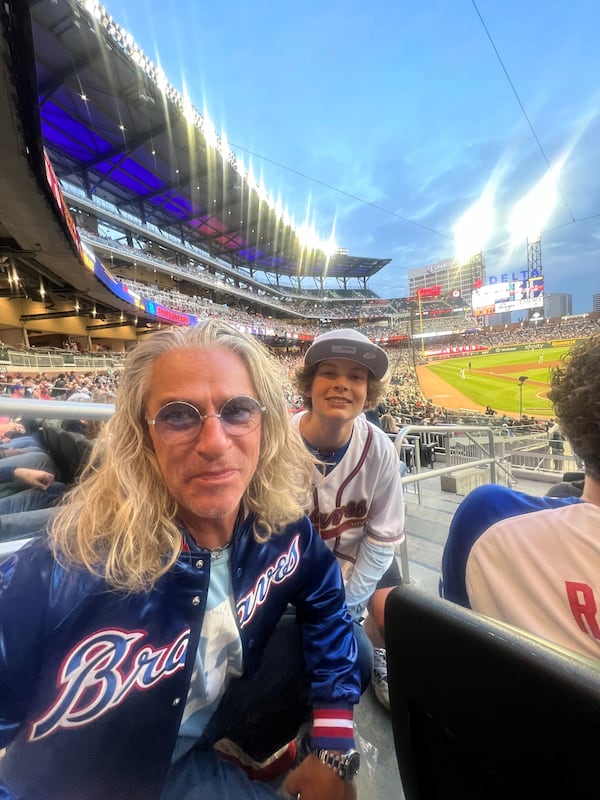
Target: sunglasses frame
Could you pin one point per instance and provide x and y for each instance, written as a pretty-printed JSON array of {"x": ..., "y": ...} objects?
[{"x": 228, "y": 428}]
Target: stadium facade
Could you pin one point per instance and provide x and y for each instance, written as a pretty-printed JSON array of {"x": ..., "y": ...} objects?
[
  {"x": 121, "y": 210},
  {"x": 453, "y": 279}
]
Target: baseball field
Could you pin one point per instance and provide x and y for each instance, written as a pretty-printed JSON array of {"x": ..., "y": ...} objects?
[{"x": 475, "y": 381}]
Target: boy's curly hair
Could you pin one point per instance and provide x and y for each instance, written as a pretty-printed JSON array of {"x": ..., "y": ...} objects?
[{"x": 575, "y": 394}]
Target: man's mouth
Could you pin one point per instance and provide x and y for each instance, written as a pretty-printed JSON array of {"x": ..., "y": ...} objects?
[{"x": 215, "y": 476}]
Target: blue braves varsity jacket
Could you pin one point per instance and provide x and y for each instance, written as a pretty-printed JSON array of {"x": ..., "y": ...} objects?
[{"x": 93, "y": 682}]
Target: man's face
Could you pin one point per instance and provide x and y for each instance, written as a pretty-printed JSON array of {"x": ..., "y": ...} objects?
[
  {"x": 208, "y": 475},
  {"x": 339, "y": 389}
]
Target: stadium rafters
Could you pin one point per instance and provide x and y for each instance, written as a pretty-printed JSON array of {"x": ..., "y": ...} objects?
[
  {"x": 65, "y": 173},
  {"x": 115, "y": 128}
]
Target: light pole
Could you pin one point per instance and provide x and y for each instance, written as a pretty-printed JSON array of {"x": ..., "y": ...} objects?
[{"x": 522, "y": 380}]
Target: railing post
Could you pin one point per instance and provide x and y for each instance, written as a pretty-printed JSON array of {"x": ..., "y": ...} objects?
[
  {"x": 493, "y": 454},
  {"x": 404, "y": 566}
]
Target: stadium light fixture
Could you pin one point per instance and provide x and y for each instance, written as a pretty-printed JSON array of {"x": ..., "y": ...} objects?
[{"x": 522, "y": 379}]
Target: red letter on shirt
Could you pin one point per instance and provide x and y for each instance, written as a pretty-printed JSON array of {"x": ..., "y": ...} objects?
[{"x": 583, "y": 606}]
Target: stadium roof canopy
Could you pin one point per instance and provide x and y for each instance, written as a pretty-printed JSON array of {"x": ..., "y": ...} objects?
[{"x": 114, "y": 127}]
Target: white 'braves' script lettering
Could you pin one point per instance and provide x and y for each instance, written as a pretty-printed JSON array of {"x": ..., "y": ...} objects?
[
  {"x": 100, "y": 672},
  {"x": 285, "y": 566}
]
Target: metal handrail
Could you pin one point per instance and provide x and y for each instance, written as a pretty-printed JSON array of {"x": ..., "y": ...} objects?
[
  {"x": 54, "y": 409},
  {"x": 415, "y": 431},
  {"x": 466, "y": 430}
]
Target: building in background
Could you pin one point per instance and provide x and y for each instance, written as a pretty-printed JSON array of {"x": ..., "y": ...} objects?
[
  {"x": 558, "y": 304},
  {"x": 596, "y": 302},
  {"x": 449, "y": 276}
]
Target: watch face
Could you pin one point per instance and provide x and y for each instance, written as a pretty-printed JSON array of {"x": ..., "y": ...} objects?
[{"x": 352, "y": 765}]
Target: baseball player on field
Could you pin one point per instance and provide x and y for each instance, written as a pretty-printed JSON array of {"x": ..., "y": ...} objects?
[{"x": 358, "y": 505}]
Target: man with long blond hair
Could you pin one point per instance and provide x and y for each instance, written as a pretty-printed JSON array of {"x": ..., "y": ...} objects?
[{"x": 148, "y": 650}]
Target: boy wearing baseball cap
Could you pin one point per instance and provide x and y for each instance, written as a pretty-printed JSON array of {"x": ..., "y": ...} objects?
[{"x": 358, "y": 505}]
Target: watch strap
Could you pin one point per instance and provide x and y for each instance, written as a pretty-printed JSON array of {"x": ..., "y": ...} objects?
[{"x": 345, "y": 764}]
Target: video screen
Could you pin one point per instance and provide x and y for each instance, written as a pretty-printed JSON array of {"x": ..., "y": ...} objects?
[{"x": 496, "y": 298}]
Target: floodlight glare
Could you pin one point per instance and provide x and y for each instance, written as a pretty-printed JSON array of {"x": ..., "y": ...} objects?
[
  {"x": 474, "y": 228},
  {"x": 531, "y": 212},
  {"x": 188, "y": 110},
  {"x": 329, "y": 246},
  {"x": 309, "y": 238}
]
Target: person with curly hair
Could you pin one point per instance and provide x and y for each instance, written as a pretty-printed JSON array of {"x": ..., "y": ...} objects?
[
  {"x": 533, "y": 562},
  {"x": 183, "y": 619}
]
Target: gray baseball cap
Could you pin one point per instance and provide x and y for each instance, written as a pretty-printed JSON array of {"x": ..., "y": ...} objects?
[{"x": 350, "y": 345}]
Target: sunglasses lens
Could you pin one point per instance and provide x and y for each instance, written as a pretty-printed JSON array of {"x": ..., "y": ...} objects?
[
  {"x": 176, "y": 422},
  {"x": 179, "y": 422},
  {"x": 241, "y": 415}
]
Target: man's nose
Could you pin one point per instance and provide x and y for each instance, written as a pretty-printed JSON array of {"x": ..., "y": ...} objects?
[{"x": 212, "y": 439}]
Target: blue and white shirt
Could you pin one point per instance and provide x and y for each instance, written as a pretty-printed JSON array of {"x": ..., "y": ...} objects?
[{"x": 532, "y": 562}]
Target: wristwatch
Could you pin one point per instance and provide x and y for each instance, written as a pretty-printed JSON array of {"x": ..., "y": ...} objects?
[{"x": 345, "y": 764}]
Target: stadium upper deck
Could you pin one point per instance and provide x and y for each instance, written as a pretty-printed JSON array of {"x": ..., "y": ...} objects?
[
  {"x": 96, "y": 140},
  {"x": 121, "y": 207}
]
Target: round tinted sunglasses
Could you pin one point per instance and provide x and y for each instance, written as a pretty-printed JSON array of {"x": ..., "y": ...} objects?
[{"x": 179, "y": 422}]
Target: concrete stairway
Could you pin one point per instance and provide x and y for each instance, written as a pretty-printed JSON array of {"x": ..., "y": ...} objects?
[{"x": 427, "y": 525}]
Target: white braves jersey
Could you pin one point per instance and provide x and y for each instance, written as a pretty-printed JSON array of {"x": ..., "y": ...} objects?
[
  {"x": 532, "y": 562},
  {"x": 362, "y": 496},
  {"x": 551, "y": 587}
]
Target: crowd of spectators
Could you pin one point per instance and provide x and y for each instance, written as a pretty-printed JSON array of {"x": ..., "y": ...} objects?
[
  {"x": 404, "y": 400},
  {"x": 442, "y": 321},
  {"x": 64, "y": 386},
  {"x": 452, "y": 329},
  {"x": 544, "y": 331}
]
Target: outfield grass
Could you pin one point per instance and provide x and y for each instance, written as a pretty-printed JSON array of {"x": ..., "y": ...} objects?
[{"x": 493, "y": 379}]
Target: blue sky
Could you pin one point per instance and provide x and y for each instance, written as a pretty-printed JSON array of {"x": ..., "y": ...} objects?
[{"x": 389, "y": 120}]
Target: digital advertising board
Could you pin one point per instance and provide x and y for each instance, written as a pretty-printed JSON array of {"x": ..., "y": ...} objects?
[{"x": 508, "y": 296}]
